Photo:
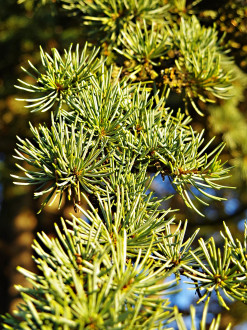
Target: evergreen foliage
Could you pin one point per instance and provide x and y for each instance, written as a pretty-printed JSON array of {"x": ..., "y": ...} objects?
[{"x": 111, "y": 134}]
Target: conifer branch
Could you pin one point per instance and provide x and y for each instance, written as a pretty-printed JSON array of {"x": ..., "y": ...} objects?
[{"x": 110, "y": 136}]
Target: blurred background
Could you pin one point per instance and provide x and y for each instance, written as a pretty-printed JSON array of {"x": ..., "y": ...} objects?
[{"x": 25, "y": 27}]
